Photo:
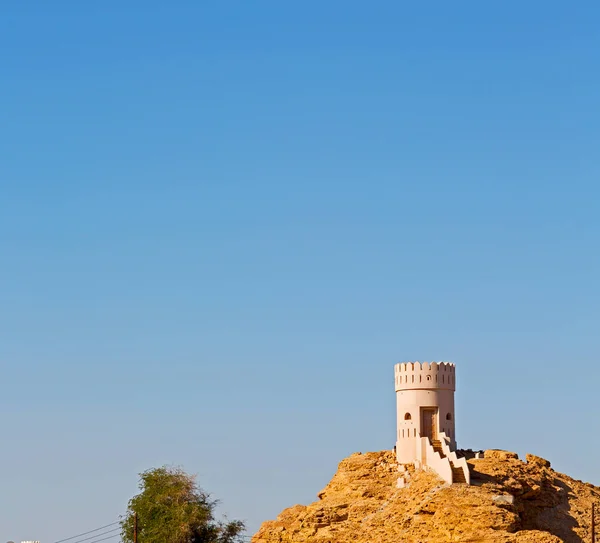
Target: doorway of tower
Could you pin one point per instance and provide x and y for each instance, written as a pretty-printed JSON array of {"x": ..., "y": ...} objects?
[{"x": 429, "y": 422}]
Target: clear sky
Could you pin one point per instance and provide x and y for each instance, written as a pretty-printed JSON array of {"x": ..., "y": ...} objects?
[{"x": 222, "y": 223}]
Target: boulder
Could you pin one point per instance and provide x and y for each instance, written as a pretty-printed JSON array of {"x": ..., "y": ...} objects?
[
  {"x": 537, "y": 460},
  {"x": 505, "y": 499},
  {"x": 499, "y": 454}
]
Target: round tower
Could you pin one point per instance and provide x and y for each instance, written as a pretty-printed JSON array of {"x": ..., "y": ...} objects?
[{"x": 424, "y": 406}]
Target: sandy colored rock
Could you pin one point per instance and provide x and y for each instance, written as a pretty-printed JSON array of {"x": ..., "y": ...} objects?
[
  {"x": 537, "y": 460},
  {"x": 498, "y": 454},
  {"x": 509, "y": 501}
]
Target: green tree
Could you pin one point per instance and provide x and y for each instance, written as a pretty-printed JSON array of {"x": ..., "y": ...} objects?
[{"x": 171, "y": 508}]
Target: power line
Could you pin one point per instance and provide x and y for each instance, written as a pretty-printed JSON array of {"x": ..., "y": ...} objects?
[
  {"x": 105, "y": 538},
  {"x": 97, "y": 535},
  {"x": 90, "y": 532}
]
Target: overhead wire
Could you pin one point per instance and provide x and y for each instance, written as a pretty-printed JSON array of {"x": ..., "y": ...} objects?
[
  {"x": 245, "y": 537},
  {"x": 98, "y": 535},
  {"x": 90, "y": 532},
  {"x": 105, "y": 538}
]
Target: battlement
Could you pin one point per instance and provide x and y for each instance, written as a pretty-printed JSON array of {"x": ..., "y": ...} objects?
[{"x": 425, "y": 375}]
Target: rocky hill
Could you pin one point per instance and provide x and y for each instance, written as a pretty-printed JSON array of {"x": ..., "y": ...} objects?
[{"x": 509, "y": 500}]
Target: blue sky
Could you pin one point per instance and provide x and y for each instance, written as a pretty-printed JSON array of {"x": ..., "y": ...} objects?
[{"x": 221, "y": 224}]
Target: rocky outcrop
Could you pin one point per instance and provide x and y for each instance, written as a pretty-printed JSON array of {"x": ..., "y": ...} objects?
[{"x": 508, "y": 501}]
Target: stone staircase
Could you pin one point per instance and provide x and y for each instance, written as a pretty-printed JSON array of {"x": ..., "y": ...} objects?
[
  {"x": 458, "y": 475},
  {"x": 437, "y": 447}
]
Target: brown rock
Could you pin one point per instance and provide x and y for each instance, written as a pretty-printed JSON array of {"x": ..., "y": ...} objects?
[
  {"x": 537, "y": 460},
  {"x": 536, "y": 536},
  {"x": 499, "y": 454},
  {"x": 510, "y": 502},
  {"x": 531, "y": 493}
]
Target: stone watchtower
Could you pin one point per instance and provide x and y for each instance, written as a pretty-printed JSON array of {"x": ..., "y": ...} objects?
[{"x": 425, "y": 433}]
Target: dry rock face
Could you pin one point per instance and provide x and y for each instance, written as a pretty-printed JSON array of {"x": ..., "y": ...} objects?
[{"x": 508, "y": 501}]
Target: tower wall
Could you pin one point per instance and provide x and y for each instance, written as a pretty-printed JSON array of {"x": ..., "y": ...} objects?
[{"x": 421, "y": 386}]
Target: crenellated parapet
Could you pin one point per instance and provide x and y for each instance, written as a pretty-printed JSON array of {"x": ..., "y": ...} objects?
[{"x": 425, "y": 375}]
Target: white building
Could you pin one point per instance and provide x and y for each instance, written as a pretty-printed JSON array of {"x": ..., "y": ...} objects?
[{"x": 425, "y": 419}]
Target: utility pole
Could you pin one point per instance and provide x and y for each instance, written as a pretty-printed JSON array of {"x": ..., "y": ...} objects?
[
  {"x": 135, "y": 526},
  {"x": 593, "y": 526}
]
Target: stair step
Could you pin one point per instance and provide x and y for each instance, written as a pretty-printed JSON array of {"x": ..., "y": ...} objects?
[
  {"x": 458, "y": 475},
  {"x": 437, "y": 447}
]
